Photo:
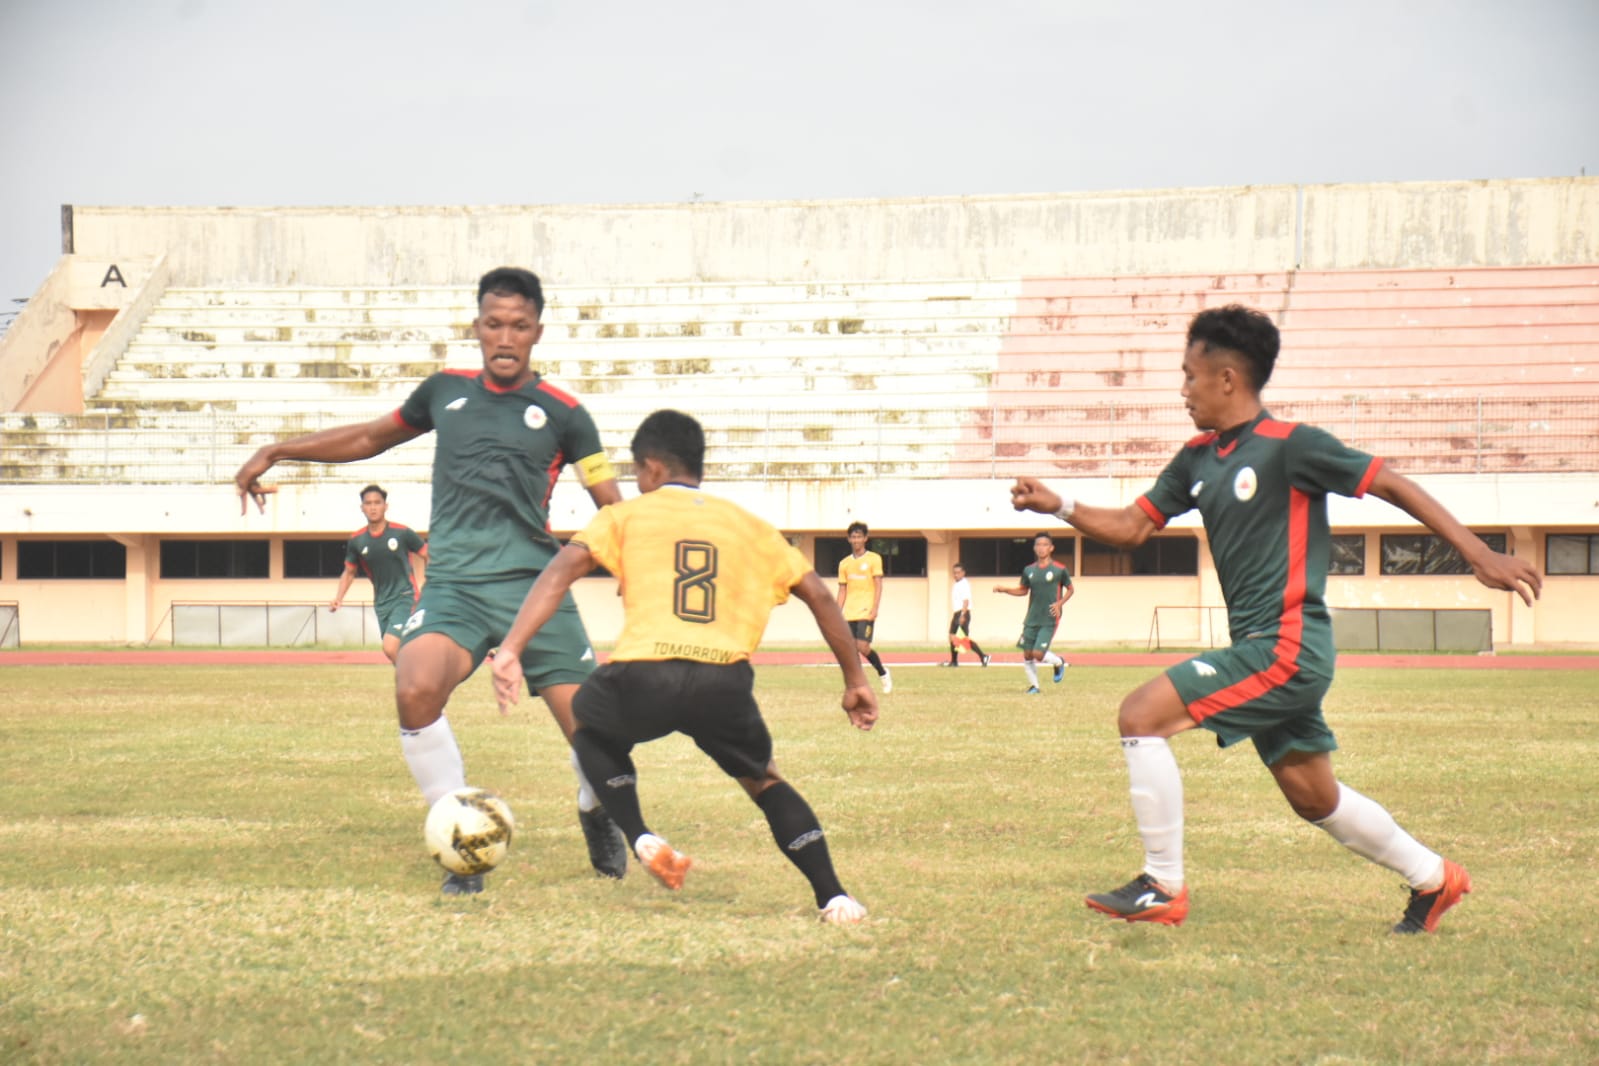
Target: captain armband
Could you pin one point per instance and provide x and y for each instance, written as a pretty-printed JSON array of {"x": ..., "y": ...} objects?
[{"x": 593, "y": 469}]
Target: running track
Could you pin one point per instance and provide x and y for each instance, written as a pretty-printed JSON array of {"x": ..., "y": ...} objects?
[{"x": 136, "y": 657}]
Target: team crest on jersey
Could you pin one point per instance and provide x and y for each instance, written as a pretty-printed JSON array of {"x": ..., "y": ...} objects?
[
  {"x": 534, "y": 417},
  {"x": 1049, "y": 575},
  {"x": 1244, "y": 484},
  {"x": 394, "y": 545}
]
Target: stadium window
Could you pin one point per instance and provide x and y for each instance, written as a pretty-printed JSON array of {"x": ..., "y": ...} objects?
[
  {"x": 1568, "y": 553},
  {"x": 1156, "y": 557},
  {"x": 214, "y": 558},
  {"x": 313, "y": 558},
  {"x": 1009, "y": 556},
  {"x": 1427, "y": 553},
  {"x": 902, "y": 556},
  {"x": 1347, "y": 554},
  {"x": 69, "y": 559}
]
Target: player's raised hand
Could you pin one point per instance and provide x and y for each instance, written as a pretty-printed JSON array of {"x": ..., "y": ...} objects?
[
  {"x": 507, "y": 672},
  {"x": 860, "y": 704},
  {"x": 1031, "y": 494}
]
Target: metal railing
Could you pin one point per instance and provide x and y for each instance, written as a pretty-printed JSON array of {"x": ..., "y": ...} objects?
[{"x": 811, "y": 441}]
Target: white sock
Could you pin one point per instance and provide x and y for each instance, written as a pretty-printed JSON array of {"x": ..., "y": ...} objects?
[
  {"x": 1051, "y": 659},
  {"x": 1032, "y": 671},
  {"x": 434, "y": 759},
  {"x": 1157, "y": 791},
  {"x": 586, "y": 799},
  {"x": 1366, "y": 828}
]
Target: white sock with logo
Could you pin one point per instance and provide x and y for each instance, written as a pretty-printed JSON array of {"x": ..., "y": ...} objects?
[
  {"x": 586, "y": 799},
  {"x": 1156, "y": 787},
  {"x": 1032, "y": 672},
  {"x": 434, "y": 758},
  {"x": 1366, "y": 828}
]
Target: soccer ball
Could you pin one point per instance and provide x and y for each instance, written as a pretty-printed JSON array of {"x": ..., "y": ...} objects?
[{"x": 468, "y": 831}]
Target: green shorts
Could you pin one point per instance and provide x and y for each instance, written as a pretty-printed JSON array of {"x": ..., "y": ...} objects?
[
  {"x": 1248, "y": 692},
  {"x": 393, "y": 614},
  {"x": 477, "y": 617},
  {"x": 1037, "y": 638}
]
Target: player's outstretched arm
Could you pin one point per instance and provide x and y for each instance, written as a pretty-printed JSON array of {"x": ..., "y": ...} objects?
[
  {"x": 342, "y": 444},
  {"x": 540, "y": 605},
  {"x": 1492, "y": 568},
  {"x": 859, "y": 702},
  {"x": 1124, "y": 527}
]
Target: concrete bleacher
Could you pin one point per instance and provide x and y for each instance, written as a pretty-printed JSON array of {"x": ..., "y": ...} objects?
[{"x": 1489, "y": 369}]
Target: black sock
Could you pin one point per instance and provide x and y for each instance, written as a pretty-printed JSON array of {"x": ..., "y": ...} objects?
[
  {"x": 954, "y": 655},
  {"x": 976, "y": 650},
  {"x": 799, "y": 837},
  {"x": 610, "y": 770},
  {"x": 877, "y": 664}
]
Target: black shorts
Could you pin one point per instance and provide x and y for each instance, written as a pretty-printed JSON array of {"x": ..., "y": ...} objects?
[
  {"x": 958, "y": 622},
  {"x": 861, "y": 629},
  {"x": 713, "y": 704}
]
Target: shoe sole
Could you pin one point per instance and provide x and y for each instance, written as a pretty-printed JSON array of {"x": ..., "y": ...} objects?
[{"x": 1173, "y": 913}]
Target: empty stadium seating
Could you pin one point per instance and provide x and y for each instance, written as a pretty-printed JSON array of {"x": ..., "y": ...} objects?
[{"x": 1491, "y": 369}]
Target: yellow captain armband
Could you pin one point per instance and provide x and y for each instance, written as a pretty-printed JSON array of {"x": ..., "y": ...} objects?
[{"x": 593, "y": 469}]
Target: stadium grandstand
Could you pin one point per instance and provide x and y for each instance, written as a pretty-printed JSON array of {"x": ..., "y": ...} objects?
[{"x": 896, "y": 362}]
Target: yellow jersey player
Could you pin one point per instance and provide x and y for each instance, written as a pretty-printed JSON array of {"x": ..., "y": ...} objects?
[
  {"x": 860, "y": 593},
  {"x": 699, "y": 578}
]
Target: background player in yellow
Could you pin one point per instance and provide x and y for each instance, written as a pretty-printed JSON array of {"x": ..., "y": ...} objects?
[
  {"x": 860, "y": 593},
  {"x": 699, "y": 579}
]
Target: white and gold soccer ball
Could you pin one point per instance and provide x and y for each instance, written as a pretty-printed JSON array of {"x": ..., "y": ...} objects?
[{"x": 468, "y": 831}]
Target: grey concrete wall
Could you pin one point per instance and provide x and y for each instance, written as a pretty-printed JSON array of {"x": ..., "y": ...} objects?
[{"x": 1265, "y": 228}]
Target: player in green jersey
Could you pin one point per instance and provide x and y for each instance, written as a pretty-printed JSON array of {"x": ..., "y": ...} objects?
[
  {"x": 502, "y": 435},
  {"x": 394, "y": 558},
  {"x": 1261, "y": 488},
  {"x": 1047, "y": 586}
]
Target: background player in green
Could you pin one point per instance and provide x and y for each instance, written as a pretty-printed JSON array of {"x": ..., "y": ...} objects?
[
  {"x": 1261, "y": 487},
  {"x": 502, "y": 435},
  {"x": 700, "y": 576},
  {"x": 1048, "y": 586},
  {"x": 394, "y": 558}
]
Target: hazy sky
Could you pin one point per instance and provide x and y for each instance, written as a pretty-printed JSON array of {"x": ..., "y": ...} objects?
[{"x": 402, "y": 102}]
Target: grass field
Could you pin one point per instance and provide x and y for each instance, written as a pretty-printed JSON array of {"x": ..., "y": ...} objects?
[{"x": 224, "y": 864}]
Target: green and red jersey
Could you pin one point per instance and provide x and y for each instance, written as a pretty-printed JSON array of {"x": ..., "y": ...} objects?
[
  {"x": 497, "y": 456},
  {"x": 1045, "y": 584},
  {"x": 385, "y": 558},
  {"x": 1261, "y": 489}
]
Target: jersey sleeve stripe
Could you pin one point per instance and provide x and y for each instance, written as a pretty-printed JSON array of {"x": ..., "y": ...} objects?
[
  {"x": 1152, "y": 511},
  {"x": 1367, "y": 478},
  {"x": 399, "y": 420},
  {"x": 1270, "y": 427},
  {"x": 567, "y": 398}
]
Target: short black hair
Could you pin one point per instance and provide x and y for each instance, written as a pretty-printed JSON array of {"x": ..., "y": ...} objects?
[
  {"x": 1249, "y": 333},
  {"x": 853, "y": 526},
  {"x": 1046, "y": 536},
  {"x": 512, "y": 281},
  {"x": 673, "y": 438},
  {"x": 374, "y": 488}
]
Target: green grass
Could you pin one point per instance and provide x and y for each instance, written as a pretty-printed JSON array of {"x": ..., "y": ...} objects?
[{"x": 224, "y": 864}]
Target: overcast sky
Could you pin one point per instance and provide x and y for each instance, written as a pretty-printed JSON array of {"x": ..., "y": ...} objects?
[{"x": 404, "y": 102}]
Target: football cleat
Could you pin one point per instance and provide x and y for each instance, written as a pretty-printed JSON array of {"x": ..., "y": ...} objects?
[
  {"x": 1425, "y": 908},
  {"x": 1060, "y": 670},
  {"x": 888, "y": 682},
  {"x": 1142, "y": 900},
  {"x": 986, "y": 658},
  {"x": 462, "y": 885},
  {"x": 665, "y": 865},
  {"x": 1032, "y": 691},
  {"x": 842, "y": 910},
  {"x": 607, "y": 846}
]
